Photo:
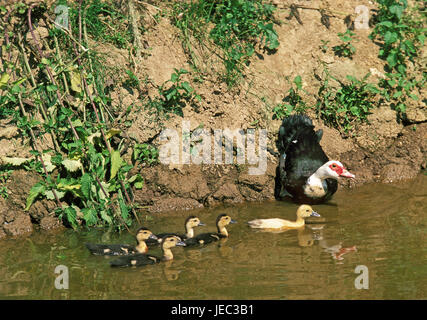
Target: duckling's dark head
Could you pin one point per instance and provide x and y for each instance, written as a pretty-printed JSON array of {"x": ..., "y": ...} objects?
[
  {"x": 193, "y": 221},
  {"x": 223, "y": 220},
  {"x": 172, "y": 241},
  {"x": 144, "y": 234}
]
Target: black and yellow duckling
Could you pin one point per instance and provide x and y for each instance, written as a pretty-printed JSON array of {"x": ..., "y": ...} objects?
[
  {"x": 222, "y": 221},
  {"x": 142, "y": 235},
  {"x": 136, "y": 260},
  {"x": 190, "y": 223}
]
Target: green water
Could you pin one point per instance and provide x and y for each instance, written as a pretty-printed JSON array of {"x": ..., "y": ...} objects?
[{"x": 384, "y": 227}]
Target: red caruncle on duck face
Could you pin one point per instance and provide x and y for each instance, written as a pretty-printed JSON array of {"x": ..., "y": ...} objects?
[{"x": 337, "y": 168}]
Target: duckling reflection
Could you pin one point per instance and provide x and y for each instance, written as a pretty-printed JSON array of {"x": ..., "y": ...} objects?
[{"x": 170, "y": 273}]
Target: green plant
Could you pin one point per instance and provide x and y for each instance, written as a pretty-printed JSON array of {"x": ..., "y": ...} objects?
[
  {"x": 346, "y": 49},
  {"x": 347, "y": 105},
  {"x": 62, "y": 95},
  {"x": 146, "y": 154},
  {"x": 292, "y": 102},
  {"x": 104, "y": 22},
  {"x": 4, "y": 177},
  {"x": 324, "y": 46},
  {"x": 237, "y": 26},
  {"x": 173, "y": 95},
  {"x": 402, "y": 36},
  {"x": 132, "y": 81}
]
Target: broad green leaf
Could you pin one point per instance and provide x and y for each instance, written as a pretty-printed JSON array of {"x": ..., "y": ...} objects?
[
  {"x": 76, "y": 81},
  {"x": 68, "y": 187},
  {"x": 4, "y": 79},
  {"x": 106, "y": 217},
  {"x": 86, "y": 185},
  {"x": 116, "y": 163},
  {"x": 71, "y": 214},
  {"x": 124, "y": 210},
  {"x": 187, "y": 87},
  {"x": 298, "y": 82},
  {"x": 90, "y": 216},
  {"x": 112, "y": 132},
  {"x": 35, "y": 191}
]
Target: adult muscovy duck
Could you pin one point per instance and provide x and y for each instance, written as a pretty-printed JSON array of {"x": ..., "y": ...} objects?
[{"x": 305, "y": 173}]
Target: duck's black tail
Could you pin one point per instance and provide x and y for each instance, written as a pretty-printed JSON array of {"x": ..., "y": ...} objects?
[
  {"x": 96, "y": 249},
  {"x": 290, "y": 128}
]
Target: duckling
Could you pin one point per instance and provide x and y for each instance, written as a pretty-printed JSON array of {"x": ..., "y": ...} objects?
[
  {"x": 168, "y": 242},
  {"x": 190, "y": 223},
  {"x": 275, "y": 224},
  {"x": 204, "y": 238},
  {"x": 142, "y": 235}
]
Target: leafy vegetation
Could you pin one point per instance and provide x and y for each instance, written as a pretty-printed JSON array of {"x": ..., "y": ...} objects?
[
  {"x": 63, "y": 95},
  {"x": 346, "y": 49},
  {"x": 173, "y": 95},
  {"x": 346, "y": 105},
  {"x": 292, "y": 102},
  {"x": 402, "y": 34},
  {"x": 237, "y": 26},
  {"x": 146, "y": 154}
]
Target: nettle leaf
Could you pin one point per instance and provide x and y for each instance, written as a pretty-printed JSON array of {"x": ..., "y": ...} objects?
[
  {"x": 14, "y": 161},
  {"x": 36, "y": 190},
  {"x": 76, "y": 81},
  {"x": 124, "y": 210},
  {"x": 116, "y": 163},
  {"x": 137, "y": 181},
  {"x": 187, "y": 87},
  {"x": 4, "y": 79},
  {"x": 50, "y": 196},
  {"x": 86, "y": 185},
  {"x": 47, "y": 162},
  {"x": 112, "y": 132},
  {"x": 72, "y": 165},
  {"x": 90, "y": 216},
  {"x": 106, "y": 217},
  {"x": 71, "y": 215}
]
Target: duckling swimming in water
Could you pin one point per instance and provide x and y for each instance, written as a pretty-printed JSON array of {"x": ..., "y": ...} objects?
[
  {"x": 136, "y": 260},
  {"x": 190, "y": 223},
  {"x": 142, "y": 235},
  {"x": 303, "y": 212},
  {"x": 204, "y": 238}
]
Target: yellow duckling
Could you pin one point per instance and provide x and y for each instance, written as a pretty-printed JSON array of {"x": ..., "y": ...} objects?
[{"x": 277, "y": 224}]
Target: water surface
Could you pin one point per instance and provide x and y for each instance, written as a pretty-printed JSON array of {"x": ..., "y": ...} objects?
[{"x": 382, "y": 227}]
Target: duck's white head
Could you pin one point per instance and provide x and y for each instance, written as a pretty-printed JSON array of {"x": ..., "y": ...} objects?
[{"x": 333, "y": 169}]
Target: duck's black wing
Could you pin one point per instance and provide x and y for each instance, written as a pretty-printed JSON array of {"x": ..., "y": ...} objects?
[
  {"x": 111, "y": 249},
  {"x": 301, "y": 156},
  {"x": 203, "y": 238},
  {"x": 135, "y": 260}
]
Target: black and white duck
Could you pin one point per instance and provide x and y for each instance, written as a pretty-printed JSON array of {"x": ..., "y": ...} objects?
[{"x": 305, "y": 173}]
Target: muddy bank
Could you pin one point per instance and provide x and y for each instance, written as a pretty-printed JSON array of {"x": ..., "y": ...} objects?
[{"x": 186, "y": 187}]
